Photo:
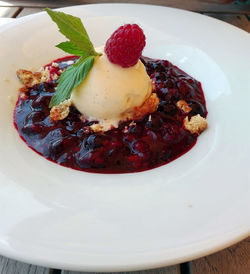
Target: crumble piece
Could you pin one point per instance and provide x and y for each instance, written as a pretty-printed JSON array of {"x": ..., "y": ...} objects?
[
  {"x": 45, "y": 74},
  {"x": 54, "y": 76},
  {"x": 196, "y": 124},
  {"x": 96, "y": 128},
  {"x": 149, "y": 106},
  {"x": 60, "y": 111},
  {"x": 183, "y": 105},
  {"x": 55, "y": 65},
  {"x": 29, "y": 78}
]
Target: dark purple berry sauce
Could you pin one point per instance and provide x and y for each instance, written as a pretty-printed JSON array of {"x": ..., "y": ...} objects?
[{"x": 153, "y": 141}]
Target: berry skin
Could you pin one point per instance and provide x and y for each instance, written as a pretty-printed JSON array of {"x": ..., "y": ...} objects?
[{"x": 125, "y": 45}]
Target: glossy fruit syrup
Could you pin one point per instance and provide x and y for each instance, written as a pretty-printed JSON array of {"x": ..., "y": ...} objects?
[{"x": 153, "y": 141}]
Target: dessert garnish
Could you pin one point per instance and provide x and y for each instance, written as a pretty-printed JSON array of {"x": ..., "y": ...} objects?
[
  {"x": 79, "y": 44},
  {"x": 125, "y": 45},
  {"x": 108, "y": 109},
  {"x": 127, "y": 96}
]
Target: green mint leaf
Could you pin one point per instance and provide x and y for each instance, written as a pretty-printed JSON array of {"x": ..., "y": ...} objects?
[
  {"x": 70, "y": 48},
  {"x": 70, "y": 79},
  {"x": 73, "y": 29}
]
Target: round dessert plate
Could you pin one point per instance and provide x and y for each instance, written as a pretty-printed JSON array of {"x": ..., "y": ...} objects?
[{"x": 63, "y": 218}]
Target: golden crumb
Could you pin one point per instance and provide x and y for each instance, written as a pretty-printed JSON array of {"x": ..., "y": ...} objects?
[
  {"x": 96, "y": 128},
  {"x": 149, "y": 106},
  {"x": 183, "y": 105},
  {"x": 55, "y": 65},
  {"x": 196, "y": 124},
  {"x": 45, "y": 75},
  {"x": 60, "y": 111},
  {"x": 37, "y": 75},
  {"x": 26, "y": 77},
  {"x": 29, "y": 78},
  {"x": 54, "y": 76}
]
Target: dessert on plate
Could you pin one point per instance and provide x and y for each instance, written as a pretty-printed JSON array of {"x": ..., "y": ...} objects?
[{"x": 108, "y": 109}]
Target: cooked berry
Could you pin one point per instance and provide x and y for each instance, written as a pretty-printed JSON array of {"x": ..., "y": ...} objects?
[
  {"x": 153, "y": 141},
  {"x": 197, "y": 108}
]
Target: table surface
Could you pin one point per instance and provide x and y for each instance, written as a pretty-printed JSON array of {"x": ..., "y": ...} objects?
[{"x": 233, "y": 260}]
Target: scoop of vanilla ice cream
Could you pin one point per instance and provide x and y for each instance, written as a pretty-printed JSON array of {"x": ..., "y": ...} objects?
[{"x": 109, "y": 93}]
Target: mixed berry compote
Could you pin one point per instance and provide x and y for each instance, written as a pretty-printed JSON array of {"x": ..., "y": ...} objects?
[{"x": 153, "y": 141}]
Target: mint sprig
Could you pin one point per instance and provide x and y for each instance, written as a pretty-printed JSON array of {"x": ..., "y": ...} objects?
[
  {"x": 70, "y": 79},
  {"x": 73, "y": 29},
  {"x": 70, "y": 48},
  {"x": 79, "y": 44}
]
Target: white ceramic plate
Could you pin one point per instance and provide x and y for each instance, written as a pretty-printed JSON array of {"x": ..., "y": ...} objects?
[{"x": 198, "y": 204}]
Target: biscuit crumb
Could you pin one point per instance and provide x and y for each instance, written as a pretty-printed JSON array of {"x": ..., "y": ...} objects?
[
  {"x": 149, "y": 106},
  {"x": 29, "y": 78},
  {"x": 45, "y": 75},
  {"x": 26, "y": 77},
  {"x": 196, "y": 124},
  {"x": 96, "y": 128},
  {"x": 60, "y": 111},
  {"x": 183, "y": 105},
  {"x": 55, "y": 65},
  {"x": 54, "y": 76}
]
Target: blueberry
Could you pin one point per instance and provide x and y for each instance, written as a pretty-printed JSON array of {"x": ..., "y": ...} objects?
[
  {"x": 161, "y": 106},
  {"x": 155, "y": 123},
  {"x": 55, "y": 148},
  {"x": 197, "y": 108}
]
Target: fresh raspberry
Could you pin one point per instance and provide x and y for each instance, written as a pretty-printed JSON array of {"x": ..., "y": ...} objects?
[{"x": 125, "y": 45}]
